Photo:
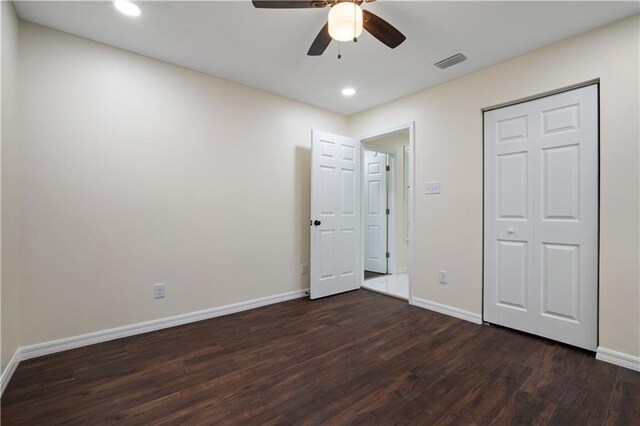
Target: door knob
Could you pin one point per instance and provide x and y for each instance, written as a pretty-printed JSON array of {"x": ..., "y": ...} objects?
[
  {"x": 511, "y": 230},
  {"x": 317, "y": 222}
]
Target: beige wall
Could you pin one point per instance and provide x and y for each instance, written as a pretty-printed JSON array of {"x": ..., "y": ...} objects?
[
  {"x": 448, "y": 131},
  {"x": 397, "y": 142},
  {"x": 132, "y": 171},
  {"x": 138, "y": 172},
  {"x": 9, "y": 200}
]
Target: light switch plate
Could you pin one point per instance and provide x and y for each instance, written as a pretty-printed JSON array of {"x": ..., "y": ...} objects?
[{"x": 432, "y": 187}]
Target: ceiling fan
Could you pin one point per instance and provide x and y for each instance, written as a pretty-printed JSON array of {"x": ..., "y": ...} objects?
[{"x": 345, "y": 23}]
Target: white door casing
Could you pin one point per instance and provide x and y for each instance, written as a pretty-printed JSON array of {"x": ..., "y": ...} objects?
[
  {"x": 541, "y": 216},
  {"x": 335, "y": 214},
  {"x": 375, "y": 216}
]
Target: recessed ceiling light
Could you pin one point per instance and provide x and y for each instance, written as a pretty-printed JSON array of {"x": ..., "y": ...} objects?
[
  {"x": 348, "y": 91},
  {"x": 126, "y": 7}
]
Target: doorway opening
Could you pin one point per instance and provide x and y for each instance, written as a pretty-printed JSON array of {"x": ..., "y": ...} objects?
[
  {"x": 337, "y": 252},
  {"x": 386, "y": 212}
]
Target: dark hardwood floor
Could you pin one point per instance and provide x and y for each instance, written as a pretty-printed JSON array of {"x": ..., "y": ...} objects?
[{"x": 358, "y": 357}]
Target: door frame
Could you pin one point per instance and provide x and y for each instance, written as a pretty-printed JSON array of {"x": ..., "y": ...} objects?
[
  {"x": 410, "y": 126},
  {"x": 596, "y": 82}
]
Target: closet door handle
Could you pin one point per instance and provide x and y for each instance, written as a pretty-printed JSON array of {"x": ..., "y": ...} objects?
[{"x": 317, "y": 222}]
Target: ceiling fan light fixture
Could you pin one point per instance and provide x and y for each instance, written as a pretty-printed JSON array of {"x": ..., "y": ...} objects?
[{"x": 345, "y": 21}]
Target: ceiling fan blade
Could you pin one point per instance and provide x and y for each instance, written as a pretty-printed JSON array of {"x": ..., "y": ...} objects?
[
  {"x": 321, "y": 42},
  {"x": 291, "y": 4},
  {"x": 382, "y": 30}
]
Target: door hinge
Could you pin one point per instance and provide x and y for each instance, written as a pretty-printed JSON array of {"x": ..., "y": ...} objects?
[
  {"x": 388, "y": 211},
  {"x": 388, "y": 168},
  {"x": 387, "y": 255}
]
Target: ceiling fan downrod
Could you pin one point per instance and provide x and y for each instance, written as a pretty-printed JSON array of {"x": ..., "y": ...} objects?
[{"x": 355, "y": 37}]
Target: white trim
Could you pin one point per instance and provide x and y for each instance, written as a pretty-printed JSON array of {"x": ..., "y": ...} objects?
[
  {"x": 447, "y": 310},
  {"x": 46, "y": 348},
  {"x": 9, "y": 370},
  {"x": 60, "y": 345},
  {"x": 406, "y": 187},
  {"x": 411, "y": 204},
  {"x": 384, "y": 132},
  {"x": 543, "y": 94},
  {"x": 618, "y": 358},
  {"x": 401, "y": 270}
]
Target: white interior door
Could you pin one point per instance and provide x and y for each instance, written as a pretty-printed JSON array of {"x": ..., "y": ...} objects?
[
  {"x": 541, "y": 216},
  {"x": 375, "y": 217},
  {"x": 335, "y": 214}
]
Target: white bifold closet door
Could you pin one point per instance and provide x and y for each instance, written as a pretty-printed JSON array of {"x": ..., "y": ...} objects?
[
  {"x": 375, "y": 216},
  {"x": 541, "y": 216},
  {"x": 335, "y": 214}
]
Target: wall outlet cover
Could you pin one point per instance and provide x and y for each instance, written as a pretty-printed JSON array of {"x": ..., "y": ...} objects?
[
  {"x": 158, "y": 291},
  {"x": 444, "y": 276},
  {"x": 432, "y": 187}
]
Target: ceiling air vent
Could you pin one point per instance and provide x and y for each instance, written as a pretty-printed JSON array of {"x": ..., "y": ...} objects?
[{"x": 451, "y": 61}]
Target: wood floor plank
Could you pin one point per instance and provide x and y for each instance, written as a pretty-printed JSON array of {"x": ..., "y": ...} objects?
[
  {"x": 525, "y": 409},
  {"x": 324, "y": 356},
  {"x": 588, "y": 395},
  {"x": 354, "y": 358},
  {"x": 555, "y": 370},
  {"x": 624, "y": 406}
]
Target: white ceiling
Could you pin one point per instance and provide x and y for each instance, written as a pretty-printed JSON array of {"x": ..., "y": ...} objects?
[{"x": 266, "y": 49}]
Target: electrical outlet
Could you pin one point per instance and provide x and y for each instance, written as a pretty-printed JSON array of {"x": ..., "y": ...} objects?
[
  {"x": 432, "y": 187},
  {"x": 444, "y": 276},
  {"x": 158, "y": 290},
  {"x": 305, "y": 269}
]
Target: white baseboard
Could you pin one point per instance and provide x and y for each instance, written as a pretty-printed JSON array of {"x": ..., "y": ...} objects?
[
  {"x": 46, "y": 348},
  {"x": 9, "y": 370},
  {"x": 402, "y": 270},
  {"x": 618, "y": 358},
  {"x": 447, "y": 310}
]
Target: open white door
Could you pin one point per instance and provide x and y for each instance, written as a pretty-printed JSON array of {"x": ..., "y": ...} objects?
[
  {"x": 541, "y": 216},
  {"x": 375, "y": 216},
  {"x": 335, "y": 214}
]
